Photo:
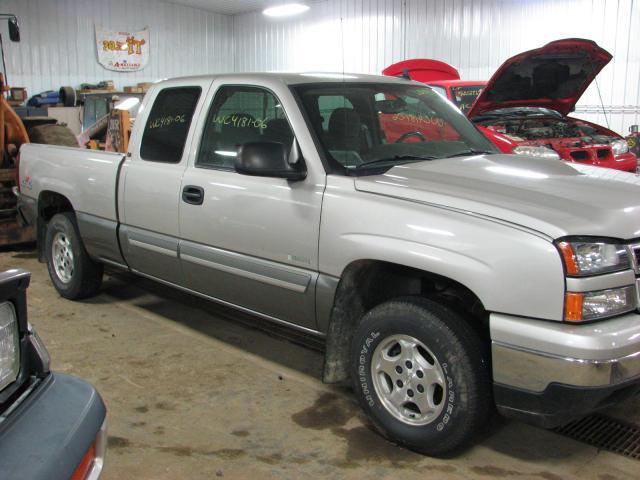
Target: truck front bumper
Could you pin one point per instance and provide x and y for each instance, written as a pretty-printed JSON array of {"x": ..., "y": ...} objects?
[
  {"x": 550, "y": 373},
  {"x": 57, "y": 430}
]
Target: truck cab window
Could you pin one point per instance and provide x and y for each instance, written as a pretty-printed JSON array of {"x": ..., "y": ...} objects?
[
  {"x": 168, "y": 124},
  {"x": 238, "y": 115}
]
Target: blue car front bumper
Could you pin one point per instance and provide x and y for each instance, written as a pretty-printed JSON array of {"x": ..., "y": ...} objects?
[{"x": 52, "y": 429}]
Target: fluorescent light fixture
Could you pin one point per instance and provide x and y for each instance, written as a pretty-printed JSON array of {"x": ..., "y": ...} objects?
[{"x": 285, "y": 10}]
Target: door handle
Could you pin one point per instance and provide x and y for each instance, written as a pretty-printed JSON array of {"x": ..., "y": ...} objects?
[{"x": 193, "y": 195}]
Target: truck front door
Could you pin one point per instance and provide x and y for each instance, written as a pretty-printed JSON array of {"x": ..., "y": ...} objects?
[{"x": 251, "y": 241}]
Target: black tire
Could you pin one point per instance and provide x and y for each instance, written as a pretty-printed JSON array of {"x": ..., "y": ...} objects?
[
  {"x": 53, "y": 135},
  {"x": 466, "y": 398},
  {"x": 86, "y": 276},
  {"x": 67, "y": 96}
]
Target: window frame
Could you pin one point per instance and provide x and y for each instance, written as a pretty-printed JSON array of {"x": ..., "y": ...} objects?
[
  {"x": 186, "y": 138},
  {"x": 329, "y": 164},
  {"x": 196, "y": 162},
  {"x": 440, "y": 89}
]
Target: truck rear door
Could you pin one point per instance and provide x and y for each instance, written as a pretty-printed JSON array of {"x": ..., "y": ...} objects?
[{"x": 151, "y": 178}]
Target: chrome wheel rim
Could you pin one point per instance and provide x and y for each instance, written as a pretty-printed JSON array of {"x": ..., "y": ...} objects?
[
  {"x": 408, "y": 380},
  {"x": 62, "y": 257}
]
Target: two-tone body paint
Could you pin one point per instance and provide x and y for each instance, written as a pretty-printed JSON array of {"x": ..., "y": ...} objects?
[{"x": 278, "y": 248}]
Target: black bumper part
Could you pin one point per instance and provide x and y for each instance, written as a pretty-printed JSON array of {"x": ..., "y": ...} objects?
[
  {"x": 559, "y": 404},
  {"x": 51, "y": 430}
]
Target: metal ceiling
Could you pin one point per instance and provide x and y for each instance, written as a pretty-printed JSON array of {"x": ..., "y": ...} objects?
[
  {"x": 229, "y": 7},
  {"x": 475, "y": 36}
]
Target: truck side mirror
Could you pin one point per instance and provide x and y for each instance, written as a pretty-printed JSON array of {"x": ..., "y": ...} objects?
[
  {"x": 14, "y": 30},
  {"x": 270, "y": 159}
]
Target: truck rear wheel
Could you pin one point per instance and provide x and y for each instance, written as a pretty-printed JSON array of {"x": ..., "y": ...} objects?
[
  {"x": 73, "y": 273},
  {"x": 420, "y": 374}
]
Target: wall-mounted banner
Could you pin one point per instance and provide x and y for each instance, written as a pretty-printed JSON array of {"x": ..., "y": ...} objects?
[{"x": 122, "y": 51}]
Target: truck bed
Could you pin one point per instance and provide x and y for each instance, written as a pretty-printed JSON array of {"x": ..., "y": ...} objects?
[{"x": 88, "y": 178}]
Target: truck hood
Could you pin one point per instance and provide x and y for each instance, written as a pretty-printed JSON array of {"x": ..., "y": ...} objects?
[
  {"x": 554, "y": 76},
  {"x": 550, "y": 197}
]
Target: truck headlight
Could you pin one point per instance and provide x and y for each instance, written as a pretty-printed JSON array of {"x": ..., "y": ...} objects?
[
  {"x": 9, "y": 345},
  {"x": 585, "y": 306},
  {"x": 537, "y": 151},
  {"x": 619, "y": 147},
  {"x": 583, "y": 258}
]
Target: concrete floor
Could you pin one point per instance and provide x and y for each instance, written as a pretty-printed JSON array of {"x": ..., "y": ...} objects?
[{"x": 192, "y": 394}]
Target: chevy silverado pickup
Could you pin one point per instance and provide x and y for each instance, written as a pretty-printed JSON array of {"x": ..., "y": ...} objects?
[{"x": 445, "y": 276}]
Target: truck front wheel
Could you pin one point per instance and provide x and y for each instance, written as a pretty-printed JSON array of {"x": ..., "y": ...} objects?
[
  {"x": 73, "y": 273},
  {"x": 420, "y": 374}
]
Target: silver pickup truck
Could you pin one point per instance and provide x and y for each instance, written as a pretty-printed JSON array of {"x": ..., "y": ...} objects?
[{"x": 446, "y": 278}]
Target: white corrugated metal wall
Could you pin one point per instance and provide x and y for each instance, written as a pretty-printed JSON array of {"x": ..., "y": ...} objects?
[
  {"x": 475, "y": 36},
  {"x": 354, "y": 35},
  {"x": 58, "y": 41}
]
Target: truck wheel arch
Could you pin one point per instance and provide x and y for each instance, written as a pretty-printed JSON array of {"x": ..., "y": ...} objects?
[
  {"x": 49, "y": 203},
  {"x": 367, "y": 283}
]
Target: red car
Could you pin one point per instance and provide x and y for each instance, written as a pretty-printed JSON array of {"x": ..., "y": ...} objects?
[{"x": 524, "y": 107}]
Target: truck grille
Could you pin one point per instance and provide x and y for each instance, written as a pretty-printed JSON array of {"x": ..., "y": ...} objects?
[
  {"x": 580, "y": 155},
  {"x": 591, "y": 154}
]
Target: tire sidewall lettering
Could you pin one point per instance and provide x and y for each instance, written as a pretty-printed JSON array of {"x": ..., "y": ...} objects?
[
  {"x": 363, "y": 373},
  {"x": 450, "y": 399}
]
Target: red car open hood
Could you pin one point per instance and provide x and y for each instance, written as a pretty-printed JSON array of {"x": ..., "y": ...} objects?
[
  {"x": 554, "y": 76},
  {"x": 423, "y": 70}
]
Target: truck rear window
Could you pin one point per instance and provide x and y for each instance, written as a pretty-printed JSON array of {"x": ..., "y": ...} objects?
[{"x": 168, "y": 124}]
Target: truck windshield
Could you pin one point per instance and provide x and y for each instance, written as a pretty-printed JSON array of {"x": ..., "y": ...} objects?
[{"x": 364, "y": 128}]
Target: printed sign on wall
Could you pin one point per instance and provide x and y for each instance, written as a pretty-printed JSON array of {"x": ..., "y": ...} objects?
[{"x": 122, "y": 51}]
